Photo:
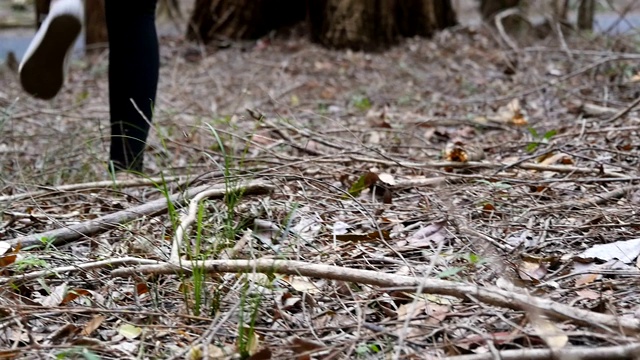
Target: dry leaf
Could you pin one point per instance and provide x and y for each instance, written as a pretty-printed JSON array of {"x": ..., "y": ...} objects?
[
  {"x": 92, "y": 325},
  {"x": 8, "y": 260},
  {"x": 588, "y": 294},
  {"x": 559, "y": 158},
  {"x": 299, "y": 345},
  {"x": 460, "y": 152},
  {"x": 586, "y": 279},
  {"x": 625, "y": 251},
  {"x": 55, "y": 297},
  {"x": 74, "y": 294},
  {"x": 425, "y": 236},
  {"x": 4, "y": 247},
  {"x": 340, "y": 228},
  {"x": 214, "y": 352},
  {"x": 66, "y": 331},
  {"x": 129, "y": 331},
  {"x": 375, "y": 235},
  {"x": 308, "y": 226},
  {"x": 530, "y": 271},
  {"x": 302, "y": 284},
  {"x": 263, "y": 354},
  {"x": 415, "y": 307},
  {"x": 549, "y": 332},
  {"x": 510, "y": 114},
  {"x": 387, "y": 179}
]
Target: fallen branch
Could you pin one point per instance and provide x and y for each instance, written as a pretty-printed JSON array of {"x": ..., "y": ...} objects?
[
  {"x": 108, "y": 222},
  {"x": 80, "y": 267},
  {"x": 94, "y": 185},
  {"x": 622, "y": 112},
  {"x": 492, "y": 296},
  {"x": 631, "y": 351},
  {"x": 591, "y": 202},
  {"x": 563, "y": 169}
]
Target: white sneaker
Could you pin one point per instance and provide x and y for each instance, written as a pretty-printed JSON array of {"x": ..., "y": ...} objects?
[{"x": 44, "y": 65}]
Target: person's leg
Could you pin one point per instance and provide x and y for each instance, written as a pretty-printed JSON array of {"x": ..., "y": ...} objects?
[{"x": 133, "y": 79}]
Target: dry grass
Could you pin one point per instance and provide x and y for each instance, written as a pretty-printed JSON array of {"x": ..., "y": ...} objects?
[{"x": 330, "y": 117}]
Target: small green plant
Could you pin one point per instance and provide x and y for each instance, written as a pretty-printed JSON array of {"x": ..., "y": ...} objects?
[
  {"x": 77, "y": 353},
  {"x": 198, "y": 276},
  {"x": 367, "y": 349},
  {"x": 539, "y": 140},
  {"x": 470, "y": 261},
  {"x": 450, "y": 272},
  {"x": 247, "y": 337},
  {"x": 233, "y": 193},
  {"x": 476, "y": 260},
  {"x": 323, "y": 108},
  {"x": 29, "y": 262},
  {"x": 361, "y": 102}
]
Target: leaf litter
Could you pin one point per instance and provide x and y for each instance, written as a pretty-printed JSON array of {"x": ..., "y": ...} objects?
[{"x": 417, "y": 162}]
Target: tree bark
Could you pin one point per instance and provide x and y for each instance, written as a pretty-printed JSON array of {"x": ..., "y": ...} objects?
[
  {"x": 355, "y": 24},
  {"x": 95, "y": 23},
  {"x": 585, "y": 14},
  {"x": 242, "y": 19},
  {"x": 374, "y": 25}
]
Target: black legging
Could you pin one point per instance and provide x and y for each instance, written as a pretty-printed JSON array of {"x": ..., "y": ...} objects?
[{"x": 134, "y": 63}]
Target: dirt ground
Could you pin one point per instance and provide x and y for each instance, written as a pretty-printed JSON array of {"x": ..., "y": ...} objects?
[{"x": 452, "y": 196}]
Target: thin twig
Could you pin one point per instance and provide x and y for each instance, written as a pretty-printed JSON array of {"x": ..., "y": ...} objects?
[{"x": 631, "y": 351}]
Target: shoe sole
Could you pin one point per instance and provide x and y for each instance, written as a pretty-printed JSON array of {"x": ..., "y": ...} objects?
[{"x": 42, "y": 75}]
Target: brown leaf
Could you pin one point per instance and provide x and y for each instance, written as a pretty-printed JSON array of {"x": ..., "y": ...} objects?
[
  {"x": 142, "y": 288},
  {"x": 588, "y": 294},
  {"x": 7, "y": 260},
  {"x": 92, "y": 325},
  {"x": 263, "y": 354},
  {"x": 426, "y": 236},
  {"x": 64, "y": 332},
  {"x": 74, "y": 294},
  {"x": 300, "y": 345},
  {"x": 586, "y": 279},
  {"x": 530, "y": 271},
  {"x": 549, "y": 332},
  {"x": 375, "y": 235}
]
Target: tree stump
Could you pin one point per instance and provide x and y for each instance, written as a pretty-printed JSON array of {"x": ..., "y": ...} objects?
[
  {"x": 373, "y": 25},
  {"x": 241, "y": 19}
]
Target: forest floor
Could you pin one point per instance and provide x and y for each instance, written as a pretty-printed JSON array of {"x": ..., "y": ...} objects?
[{"x": 451, "y": 196}]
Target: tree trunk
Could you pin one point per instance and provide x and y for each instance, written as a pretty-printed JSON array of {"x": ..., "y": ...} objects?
[
  {"x": 95, "y": 23},
  {"x": 374, "y": 25},
  {"x": 585, "y": 14},
  {"x": 242, "y": 19},
  {"x": 423, "y": 17}
]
